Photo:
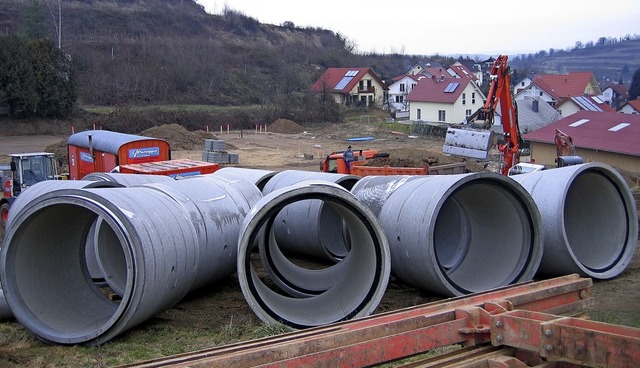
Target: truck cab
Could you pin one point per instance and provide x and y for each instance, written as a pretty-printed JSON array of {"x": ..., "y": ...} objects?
[{"x": 25, "y": 170}]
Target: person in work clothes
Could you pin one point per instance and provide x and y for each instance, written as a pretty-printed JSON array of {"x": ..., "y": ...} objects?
[{"x": 348, "y": 156}]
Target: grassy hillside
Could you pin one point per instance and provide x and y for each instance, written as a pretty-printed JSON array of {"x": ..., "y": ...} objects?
[{"x": 173, "y": 52}]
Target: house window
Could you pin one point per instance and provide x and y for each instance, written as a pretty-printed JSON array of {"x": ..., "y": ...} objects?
[
  {"x": 412, "y": 85},
  {"x": 419, "y": 114},
  {"x": 400, "y": 99},
  {"x": 473, "y": 98},
  {"x": 467, "y": 113},
  {"x": 401, "y": 87},
  {"x": 464, "y": 98},
  {"x": 441, "y": 115},
  {"x": 541, "y": 93},
  {"x": 363, "y": 100},
  {"x": 361, "y": 85}
]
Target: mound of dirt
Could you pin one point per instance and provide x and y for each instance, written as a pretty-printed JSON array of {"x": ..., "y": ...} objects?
[
  {"x": 285, "y": 126},
  {"x": 418, "y": 157},
  {"x": 178, "y": 137}
]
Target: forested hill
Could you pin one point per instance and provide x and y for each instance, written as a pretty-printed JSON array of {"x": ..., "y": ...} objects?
[{"x": 172, "y": 51}]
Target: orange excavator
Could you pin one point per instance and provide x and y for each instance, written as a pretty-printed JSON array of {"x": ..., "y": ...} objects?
[
  {"x": 500, "y": 94},
  {"x": 499, "y": 97},
  {"x": 565, "y": 143}
]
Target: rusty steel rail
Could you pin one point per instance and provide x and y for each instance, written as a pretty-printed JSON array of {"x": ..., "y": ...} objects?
[{"x": 394, "y": 335}]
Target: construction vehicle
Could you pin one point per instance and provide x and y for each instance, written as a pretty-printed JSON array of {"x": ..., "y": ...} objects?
[
  {"x": 499, "y": 97},
  {"x": 565, "y": 143},
  {"x": 103, "y": 150},
  {"x": 25, "y": 170},
  {"x": 335, "y": 163}
]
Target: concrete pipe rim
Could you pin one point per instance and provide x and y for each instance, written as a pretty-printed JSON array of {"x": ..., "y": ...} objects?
[
  {"x": 34, "y": 311},
  {"x": 617, "y": 214},
  {"x": 273, "y": 307}
]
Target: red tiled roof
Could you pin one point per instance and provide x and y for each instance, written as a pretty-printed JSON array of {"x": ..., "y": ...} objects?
[
  {"x": 634, "y": 103},
  {"x": 332, "y": 76},
  {"x": 463, "y": 72},
  {"x": 593, "y": 130},
  {"x": 433, "y": 90},
  {"x": 621, "y": 89},
  {"x": 563, "y": 85},
  {"x": 437, "y": 72}
]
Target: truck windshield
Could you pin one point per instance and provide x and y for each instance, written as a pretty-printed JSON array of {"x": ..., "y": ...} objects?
[{"x": 36, "y": 169}]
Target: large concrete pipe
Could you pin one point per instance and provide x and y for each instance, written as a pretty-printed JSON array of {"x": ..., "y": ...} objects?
[
  {"x": 589, "y": 217},
  {"x": 374, "y": 190},
  {"x": 258, "y": 177},
  {"x": 364, "y": 270},
  {"x": 240, "y": 184},
  {"x": 459, "y": 234},
  {"x": 34, "y": 192},
  {"x": 127, "y": 180},
  {"x": 149, "y": 237},
  {"x": 302, "y": 227},
  {"x": 38, "y": 189}
]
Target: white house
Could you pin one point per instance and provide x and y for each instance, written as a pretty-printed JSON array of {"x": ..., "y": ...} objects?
[
  {"x": 400, "y": 89},
  {"x": 630, "y": 107},
  {"x": 444, "y": 100}
]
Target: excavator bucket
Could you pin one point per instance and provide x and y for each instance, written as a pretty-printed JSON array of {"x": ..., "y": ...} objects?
[{"x": 472, "y": 143}]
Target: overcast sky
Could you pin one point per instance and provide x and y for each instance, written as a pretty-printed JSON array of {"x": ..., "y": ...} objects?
[{"x": 416, "y": 27}]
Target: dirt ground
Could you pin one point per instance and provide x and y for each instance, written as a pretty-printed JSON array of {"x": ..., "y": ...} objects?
[{"x": 219, "y": 305}]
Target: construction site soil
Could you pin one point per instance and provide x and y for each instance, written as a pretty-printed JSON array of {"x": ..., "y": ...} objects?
[{"x": 218, "y": 314}]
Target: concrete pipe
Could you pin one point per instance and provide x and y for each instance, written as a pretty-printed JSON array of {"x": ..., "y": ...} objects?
[
  {"x": 365, "y": 270},
  {"x": 258, "y": 177},
  {"x": 152, "y": 238},
  {"x": 589, "y": 217},
  {"x": 459, "y": 234},
  {"x": 302, "y": 227},
  {"x": 127, "y": 180},
  {"x": 240, "y": 185},
  {"x": 33, "y": 193},
  {"x": 374, "y": 190}
]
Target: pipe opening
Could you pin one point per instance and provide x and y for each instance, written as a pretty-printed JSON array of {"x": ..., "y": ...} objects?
[
  {"x": 280, "y": 289},
  {"x": 483, "y": 223},
  {"x": 596, "y": 221},
  {"x": 58, "y": 297},
  {"x": 111, "y": 258}
]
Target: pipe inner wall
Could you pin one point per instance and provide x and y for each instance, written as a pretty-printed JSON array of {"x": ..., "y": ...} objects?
[{"x": 354, "y": 292}]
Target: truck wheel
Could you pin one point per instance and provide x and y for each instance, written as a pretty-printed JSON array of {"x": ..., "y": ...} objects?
[{"x": 4, "y": 213}]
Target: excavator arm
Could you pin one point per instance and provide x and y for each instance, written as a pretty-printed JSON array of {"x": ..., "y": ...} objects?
[
  {"x": 466, "y": 143},
  {"x": 500, "y": 97}
]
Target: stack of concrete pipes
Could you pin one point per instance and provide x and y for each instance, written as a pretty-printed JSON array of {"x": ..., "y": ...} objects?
[{"x": 84, "y": 262}]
